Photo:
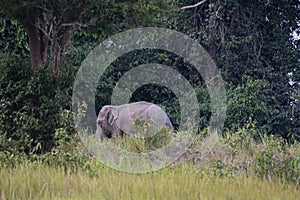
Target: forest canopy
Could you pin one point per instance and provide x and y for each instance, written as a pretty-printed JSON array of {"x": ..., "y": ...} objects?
[{"x": 43, "y": 44}]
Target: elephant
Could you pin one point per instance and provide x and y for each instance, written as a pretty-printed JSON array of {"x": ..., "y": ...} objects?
[{"x": 118, "y": 120}]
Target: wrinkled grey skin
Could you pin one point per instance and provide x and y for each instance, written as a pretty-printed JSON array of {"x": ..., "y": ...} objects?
[{"x": 116, "y": 120}]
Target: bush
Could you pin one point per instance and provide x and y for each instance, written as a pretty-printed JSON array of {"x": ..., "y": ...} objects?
[
  {"x": 277, "y": 159},
  {"x": 148, "y": 138},
  {"x": 248, "y": 101},
  {"x": 248, "y": 151},
  {"x": 31, "y": 105},
  {"x": 70, "y": 153}
]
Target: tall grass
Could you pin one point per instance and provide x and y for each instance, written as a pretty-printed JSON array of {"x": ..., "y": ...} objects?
[
  {"x": 182, "y": 182},
  {"x": 241, "y": 165}
]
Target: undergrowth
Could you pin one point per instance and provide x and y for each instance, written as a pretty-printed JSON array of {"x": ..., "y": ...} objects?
[{"x": 246, "y": 151}]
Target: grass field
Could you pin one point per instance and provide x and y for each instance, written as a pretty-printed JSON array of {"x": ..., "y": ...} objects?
[
  {"x": 181, "y": 182},
  {"x": 237, "y": 167}
]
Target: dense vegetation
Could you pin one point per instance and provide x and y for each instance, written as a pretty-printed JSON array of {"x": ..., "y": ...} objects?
[
  {"x": 250, "y": 41},
  {"x": 237, "y": 167}
]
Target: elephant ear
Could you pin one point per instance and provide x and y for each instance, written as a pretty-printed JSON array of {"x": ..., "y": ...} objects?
[{"x": 112, "y": 116}]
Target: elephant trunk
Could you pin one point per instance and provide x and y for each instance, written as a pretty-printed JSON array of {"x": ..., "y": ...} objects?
[{"x": 99, "y": 133}]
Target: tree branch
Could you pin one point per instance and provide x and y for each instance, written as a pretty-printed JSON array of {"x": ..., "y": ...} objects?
[
  {"x": 193, "y": 6},
  {"x": 75, "y": 24}
]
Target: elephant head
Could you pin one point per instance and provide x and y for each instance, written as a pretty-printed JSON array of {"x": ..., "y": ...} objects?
[{"x": 106, "y": 122}]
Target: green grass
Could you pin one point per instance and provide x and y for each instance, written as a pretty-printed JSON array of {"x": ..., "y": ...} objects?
[
  {"x": 182, "y": 182},
  {"x": 240, "y": 165}
]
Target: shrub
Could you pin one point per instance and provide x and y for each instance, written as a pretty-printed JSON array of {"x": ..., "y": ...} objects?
[
  {"x": 31, "y": 104},
  {"x": 148, "y": 137},
  {"x": 247, "y": 101},
  {"x": 277, "y": 159}
]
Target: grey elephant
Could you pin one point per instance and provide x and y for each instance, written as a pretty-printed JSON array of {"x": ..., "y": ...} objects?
[{"x": 118, "y": 120}]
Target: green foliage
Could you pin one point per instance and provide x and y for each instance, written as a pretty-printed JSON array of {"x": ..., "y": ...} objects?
[
  {"x": 111, "y": 17},
  {"x": 248, "y": 102},
  {"x": 10, "y": 155},
  {"x": 251, "y": 39},
  {"x": 262, "y": 155},
  {"x": 277, "y": 159},
  {"x": 142, "y": 13},
  {"x": 13, "y": 37},
  {"x": 31, "y": 104},
  {"x": 243, "y": 140},
  {"x": 69, "y": 153},
  {"x": 218, "y": 168},
  {"x": 247, "y": 151},
  {"x": 148, "y": 137}
]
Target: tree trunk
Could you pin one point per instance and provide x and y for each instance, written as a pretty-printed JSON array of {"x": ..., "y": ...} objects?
[
  {"x": 37, "y": 39},
  {"x": 37, "y": 28},
  {"x": 44, "y": 39},
  {"x": 59, "y": 44}
]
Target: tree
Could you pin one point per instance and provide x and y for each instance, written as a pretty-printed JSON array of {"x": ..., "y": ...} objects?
[
  {"x": 252, "y": 39},
  {"x": 49, "y": 25},
  {"x": 33, "y": 100}
]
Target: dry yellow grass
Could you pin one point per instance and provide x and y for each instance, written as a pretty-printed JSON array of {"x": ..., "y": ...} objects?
[{"x": 42, "y": 182}]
